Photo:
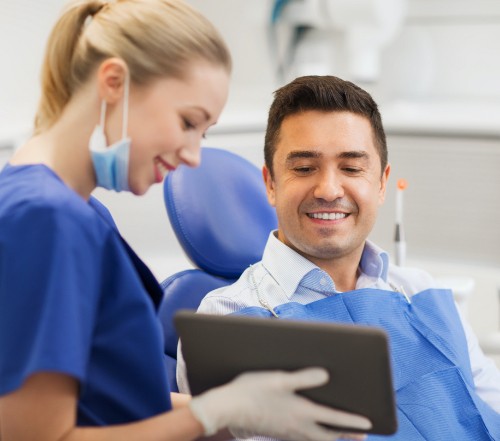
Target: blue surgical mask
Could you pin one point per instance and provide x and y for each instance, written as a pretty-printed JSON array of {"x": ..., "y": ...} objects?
[{"x": 111, "y": 162}]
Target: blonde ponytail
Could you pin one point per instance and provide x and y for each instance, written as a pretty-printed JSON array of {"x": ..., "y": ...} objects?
[
  {"x": 156, "y": 38},
  {"x": 56, "y": 70}
]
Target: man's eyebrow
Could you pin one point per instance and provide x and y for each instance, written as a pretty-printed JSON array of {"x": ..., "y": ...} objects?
[
  {"x": 301, "y": 154},
  {"x": 354, "y": 154},
  {"x": 350, "y": 154}
]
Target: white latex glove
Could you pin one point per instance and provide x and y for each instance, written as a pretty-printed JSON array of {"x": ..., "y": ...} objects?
[{"x": 265, "y": 403}]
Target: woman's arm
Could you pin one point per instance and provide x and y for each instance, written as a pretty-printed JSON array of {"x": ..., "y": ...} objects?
[
  {"x": 179, "y": 400},
  {"x": 44, "y": 409}
]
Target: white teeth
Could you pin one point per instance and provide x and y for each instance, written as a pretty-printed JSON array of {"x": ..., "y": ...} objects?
[
  {"x": 162, "y": 168},
  {"x": 328, "y": 216}
]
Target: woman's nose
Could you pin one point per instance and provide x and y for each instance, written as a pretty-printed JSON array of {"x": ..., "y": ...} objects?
[{"x": 191, "y": 156}]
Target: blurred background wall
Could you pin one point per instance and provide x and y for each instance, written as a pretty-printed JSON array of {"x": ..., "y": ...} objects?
[{"x": 432, "y": 65}]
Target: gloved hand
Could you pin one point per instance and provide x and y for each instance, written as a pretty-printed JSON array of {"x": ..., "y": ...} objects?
[{"x": 265, "y": 403}]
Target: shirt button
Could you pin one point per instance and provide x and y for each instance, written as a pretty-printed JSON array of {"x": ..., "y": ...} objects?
[{"x": 323, "y": 282}]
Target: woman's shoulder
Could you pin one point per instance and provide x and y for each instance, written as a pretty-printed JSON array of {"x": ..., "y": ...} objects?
[{"x": 33, "y": 197}]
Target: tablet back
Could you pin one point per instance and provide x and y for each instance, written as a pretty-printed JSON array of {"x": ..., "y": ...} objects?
[{"x": 218, "y": 348}]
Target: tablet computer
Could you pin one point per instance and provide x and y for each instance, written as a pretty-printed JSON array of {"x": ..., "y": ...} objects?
[{"x": 218, "y": 348}]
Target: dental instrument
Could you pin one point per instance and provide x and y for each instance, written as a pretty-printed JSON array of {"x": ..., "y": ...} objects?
[{"x": 399, "y": 237}]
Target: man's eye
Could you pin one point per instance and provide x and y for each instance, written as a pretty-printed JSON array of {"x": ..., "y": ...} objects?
[
  {"x": 302, "y": 170},
  {"x": 352, "y": 170}
]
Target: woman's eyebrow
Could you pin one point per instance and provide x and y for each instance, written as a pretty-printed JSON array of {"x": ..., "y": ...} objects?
[{"x": 206, "y": 115}]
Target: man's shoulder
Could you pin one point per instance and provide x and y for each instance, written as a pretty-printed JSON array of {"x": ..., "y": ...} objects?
[
  {"x": 412, "y": 279},
  {"x": 230, "y": 298}
]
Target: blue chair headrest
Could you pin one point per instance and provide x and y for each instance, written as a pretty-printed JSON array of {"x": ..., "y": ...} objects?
[
  {"x": 219, "y": 212},
  {"x": 192, "y": 285}
]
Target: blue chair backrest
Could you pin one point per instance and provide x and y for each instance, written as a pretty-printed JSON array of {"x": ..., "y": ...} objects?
[{"x": 220, "y": 215}]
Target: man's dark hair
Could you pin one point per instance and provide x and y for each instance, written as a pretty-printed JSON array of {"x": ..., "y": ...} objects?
[{"x": 325, "y": 94}]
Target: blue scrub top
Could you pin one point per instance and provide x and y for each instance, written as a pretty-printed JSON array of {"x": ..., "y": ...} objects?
[{"x": 75, "y": 299}]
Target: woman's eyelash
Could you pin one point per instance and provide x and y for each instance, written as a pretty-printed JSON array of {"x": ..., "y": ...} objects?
[{"x": 188, "y": 124}]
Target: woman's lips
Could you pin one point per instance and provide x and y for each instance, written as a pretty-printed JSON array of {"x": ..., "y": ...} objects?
[{"x": 161, "y": 168}]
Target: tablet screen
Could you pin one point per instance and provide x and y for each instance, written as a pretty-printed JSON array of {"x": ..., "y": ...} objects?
[{"x": 218, "y": 348}]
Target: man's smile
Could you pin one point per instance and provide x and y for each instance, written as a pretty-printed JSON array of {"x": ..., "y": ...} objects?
[{"x": 328, "y": 215}]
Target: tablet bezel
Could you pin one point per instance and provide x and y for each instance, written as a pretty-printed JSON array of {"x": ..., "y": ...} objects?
[{"x": 217, "y": 348}]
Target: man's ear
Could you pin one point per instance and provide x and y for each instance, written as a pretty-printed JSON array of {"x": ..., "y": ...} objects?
[
  {"x": 383, "y": 184},
  {"x": 111, "y": 77},
  {"x": 266, "y": 174}
]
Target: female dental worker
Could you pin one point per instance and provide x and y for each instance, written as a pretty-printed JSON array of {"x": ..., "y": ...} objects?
[{"x": 128, "y": 89}]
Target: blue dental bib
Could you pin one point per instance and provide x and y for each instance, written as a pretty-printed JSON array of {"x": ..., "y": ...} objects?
[{"x": 435, "y": 392}]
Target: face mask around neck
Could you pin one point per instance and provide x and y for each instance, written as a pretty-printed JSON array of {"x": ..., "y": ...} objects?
[{"x": 111, "y": 162}]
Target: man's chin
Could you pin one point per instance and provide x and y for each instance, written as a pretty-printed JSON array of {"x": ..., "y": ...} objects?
[{"x": 323, "y": 251}]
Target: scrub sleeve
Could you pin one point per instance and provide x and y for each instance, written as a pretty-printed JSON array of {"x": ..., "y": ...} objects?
[{"x": 73, "y": 301}]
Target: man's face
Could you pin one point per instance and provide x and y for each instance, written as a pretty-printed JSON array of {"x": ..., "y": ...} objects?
[{"x": 327, "y": 184}]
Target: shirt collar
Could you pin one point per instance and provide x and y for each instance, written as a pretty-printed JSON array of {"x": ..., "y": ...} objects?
[
  {"x": 285, "y": 265},
  {"x": 374, "y": 261},
  {"x": 288, "y": 267}
]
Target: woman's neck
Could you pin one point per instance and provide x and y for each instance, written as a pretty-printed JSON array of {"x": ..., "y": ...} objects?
[{"x": 64, "y": 149}]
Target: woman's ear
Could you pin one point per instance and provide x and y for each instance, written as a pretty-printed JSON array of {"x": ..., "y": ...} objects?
[{"x": 111, "y": 76}]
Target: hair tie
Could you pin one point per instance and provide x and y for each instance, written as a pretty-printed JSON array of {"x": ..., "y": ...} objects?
[{"x": 93, "y": 11}]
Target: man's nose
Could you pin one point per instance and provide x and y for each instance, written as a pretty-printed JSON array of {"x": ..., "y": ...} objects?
[{"x": 329, "y": 186}]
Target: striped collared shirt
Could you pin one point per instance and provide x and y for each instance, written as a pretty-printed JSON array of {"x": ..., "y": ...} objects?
[{"x": 283, "y": 276}]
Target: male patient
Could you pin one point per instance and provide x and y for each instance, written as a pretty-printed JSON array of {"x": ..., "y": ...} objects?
[{"x": 326, "y": 172}]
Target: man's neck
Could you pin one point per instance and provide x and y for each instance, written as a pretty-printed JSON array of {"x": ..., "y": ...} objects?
[{"x": 344, "y": 271}]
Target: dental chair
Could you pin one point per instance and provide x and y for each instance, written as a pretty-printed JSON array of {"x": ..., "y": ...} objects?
[{"x": 220, "y": 215}]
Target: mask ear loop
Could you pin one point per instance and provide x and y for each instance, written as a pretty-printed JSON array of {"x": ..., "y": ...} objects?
[
  {"x": 125, "y": 106},
  {"x": 125, "y": 109},
  {"x": 103, "y": 115}
]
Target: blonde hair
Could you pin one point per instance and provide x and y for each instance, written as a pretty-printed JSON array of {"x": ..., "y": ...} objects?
[{"x": 156, "y": 38}]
